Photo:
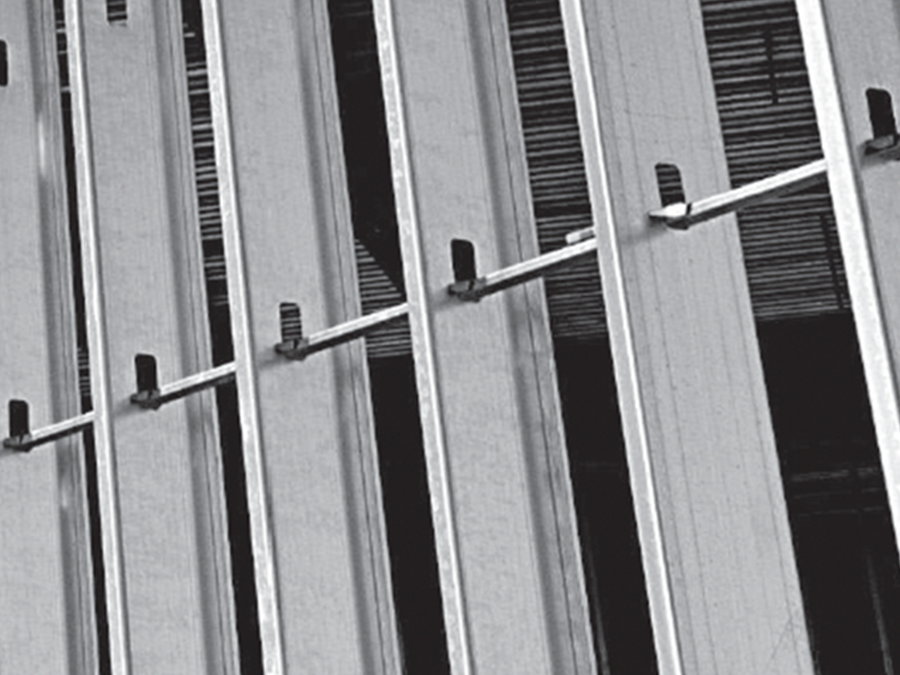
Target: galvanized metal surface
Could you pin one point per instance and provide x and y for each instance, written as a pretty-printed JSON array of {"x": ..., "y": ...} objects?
[
  {"x": 50, "y": 433},
  {"x": 299, "y": 349},
  {"x": 433, "y": 433},
  {"x": 683, "y": 215},
  {"x": 519, "y": 273},
  {"x": 718, "y": 558},
  {"x": 325, "y": 603},
  {"x": 46, "y": 625}
]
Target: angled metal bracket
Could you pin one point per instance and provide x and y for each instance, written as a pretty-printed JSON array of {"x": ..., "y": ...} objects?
[
  {"x": 22, "y": 439},
  {"x": 296, "y": 347},
  {"x": 151, "y": 396},
  {"x": 472, "y": 290},
  {"x": 681, "y": 216}
]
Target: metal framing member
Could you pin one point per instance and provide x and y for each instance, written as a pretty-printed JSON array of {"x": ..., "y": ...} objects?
[
  {"x": 319, "y": 541},
  {"x": 507, "y": 556},
  {"x": 681, "y": 216},
  {"x": 519, "y": 273},
  {"x": 97, "y": 345},
  {"x": 169, "y": 591},
  {"x": 717, "y": 553},
  {"x": 300, "y": 348},
  {"x": 850, "y": 50},
  {"x": 245, "y": 373},
  {"x": 50, "y": 433},
  {"x": 154, "y": 398},
  {"x": 508, "y": 277},
  {"x": 47, "y": 623}
]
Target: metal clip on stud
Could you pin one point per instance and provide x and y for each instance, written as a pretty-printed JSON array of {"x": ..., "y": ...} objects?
[
  {"x": 885, "y": 141},
  {"x": 151, "y": 396},
  {"x": 22, "y": 439},
  {"x": 293, "y": 345},
  {"x": 467, "y": 286},
  {"x": 147, "y": 395},
  {"x": 296, "y": 347},
  {"x": 468, "y": 290}
]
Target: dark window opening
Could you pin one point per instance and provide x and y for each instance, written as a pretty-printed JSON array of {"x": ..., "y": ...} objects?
[{"x": 407, "y": 510}]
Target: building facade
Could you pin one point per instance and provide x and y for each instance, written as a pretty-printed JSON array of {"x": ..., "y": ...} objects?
[{"x": 419, "y": 336}]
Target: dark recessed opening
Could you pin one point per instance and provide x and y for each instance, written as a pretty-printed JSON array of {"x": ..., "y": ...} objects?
[
  {"x": 145, "y": 370},
  {"x": 881, "y": 113},
  {"x": 668, "y": 179},
  {"x": 18, "y": 418},
  {"x": 462, "y": 253},
  {"x": 405, "y": 495},
  {"x": 407, "y": 511},
  {"x": 607, "y": 529},
  {"x": 4, "y": 64}
]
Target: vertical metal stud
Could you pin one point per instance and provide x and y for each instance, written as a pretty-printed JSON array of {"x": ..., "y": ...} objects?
[
  {"x": 508, "y": 558},
  {"x": 168, "y": 584},
  {"x": 319, "y": 543},
  {"x": 721, "y": 577},
  {"x": 851, "y": 52},
  {"x": 46, "y": 625}
]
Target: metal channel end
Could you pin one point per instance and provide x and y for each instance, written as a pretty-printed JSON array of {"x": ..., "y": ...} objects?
[{"x": 681, "y": 216}]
